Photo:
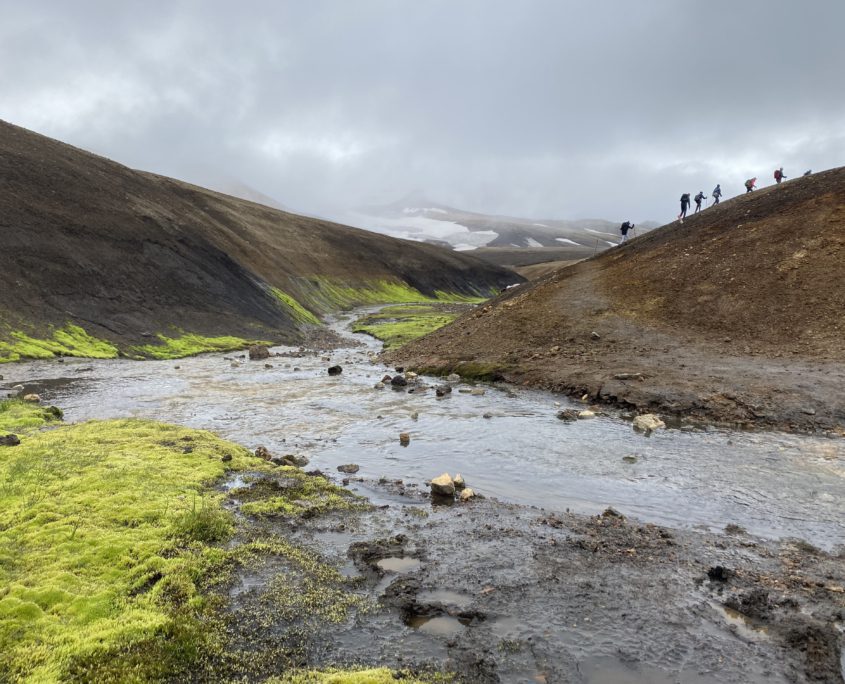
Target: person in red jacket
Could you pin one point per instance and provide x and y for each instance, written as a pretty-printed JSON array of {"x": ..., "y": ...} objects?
[
  {"x": 779, "y": 175},
  {"x": 749, "y": 184}
]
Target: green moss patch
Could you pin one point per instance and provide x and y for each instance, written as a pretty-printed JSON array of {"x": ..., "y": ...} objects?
[
  {"x": 298, "y": 312},
  {"x": 68, "y": 341},
  {"x": 22, "y": 417},
  {"x": 380, "y": 675},
  {"x": 293, "y": 493},
  {"x": 191, "y": 345},
  {"x": 398, "y": 325}
]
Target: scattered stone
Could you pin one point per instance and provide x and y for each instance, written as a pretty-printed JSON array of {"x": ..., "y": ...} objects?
[
  {"x": 32, "y": 398},
  {"x": 387, "y": 379},
  {"x": 629, "y": 459},
  {"x": 442, "y": 390},
  {"x": 458, "y": 481},
  {"x": 379, "y": 386},
  {"x": 442, "y": 485},
  {"x": 595, "y": 336},
  {"x": 404, "y": 438},
  {"x": 399, "y": 369},
  {"x": 465, "y": 390},
  {"x": 453, "y": 377},
  {"x": 349, "y": 468},
  {"x": 263, "y": 453},
  {"x": 17, "y": 388},
  {"x": 335, "y": 370},
  {"x": 612, "y": 513},
  {"x": 398, "y": 381},
  {"x": 467, "y": 494},
  {"x": 226, "y": 458},
  {"x": 808, "y": 411},
  {"x": 648, "y": 423},
  {"x": 327, "y": 358},
  {"x": 268, "y": 365},
  {"x": 487, "y": 415},
  {"x": 291, "y": 460},
  {"x": 410, "y": 376},
  {"x": 478, "y": 392},
  {"x": 258, "y": 352},
  {"x": 569, "y": 415},
  {"x": 296, "y": 369},
  {"x": 629, "y": 376},
  {"x": 9, "y": 440},
  {"x": 583, "y": 415},
  {"x": 719, "y": 573},
  {"x": 415, "y": 416},
  {"x": 235, "y": 364},
  {"x": 177, "y": 367}
]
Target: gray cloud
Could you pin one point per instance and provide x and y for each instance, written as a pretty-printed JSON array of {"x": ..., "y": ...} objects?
[{"x": 545, "y": 108}]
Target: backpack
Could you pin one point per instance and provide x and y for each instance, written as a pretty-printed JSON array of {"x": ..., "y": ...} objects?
[
  {"x": 699, "y": 197},
  {"x": 778, "y": 174},
  {"x": 748, "y": 183},
  {"x": 685, "y": 197}
]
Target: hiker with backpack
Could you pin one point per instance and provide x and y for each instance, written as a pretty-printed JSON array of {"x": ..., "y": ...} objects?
[
  {"x": 684, "y": 206},
  {"x": 698, "y": 199},
  {"x": 779, "y": 175},
  {"x": 716, "y": 194},
  {"x": 749, "y": 184},
  {"x": 624, "y": 228}
]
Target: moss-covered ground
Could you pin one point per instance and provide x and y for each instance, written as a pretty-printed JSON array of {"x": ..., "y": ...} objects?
[
  {"x": 190, "y": 345},
  {"x": 398, "y": 325},
  {"x": 68, "y": 341},
  {"x": 365, "y": 676},
  {"x": 111, "y": 546},
  {"x": 22, "y": 417}
]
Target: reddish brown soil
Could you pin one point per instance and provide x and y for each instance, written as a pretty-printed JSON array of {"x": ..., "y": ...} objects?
[{"x": 735, "y": 315}]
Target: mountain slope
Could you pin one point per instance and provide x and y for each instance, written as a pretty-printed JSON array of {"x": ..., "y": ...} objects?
[
  {"x": 738, "y": 313},
  {"x": 125, "y": 254}
]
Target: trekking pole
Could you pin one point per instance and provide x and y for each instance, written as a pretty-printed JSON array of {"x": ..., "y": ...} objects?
[{"x": 596, "y": 248}]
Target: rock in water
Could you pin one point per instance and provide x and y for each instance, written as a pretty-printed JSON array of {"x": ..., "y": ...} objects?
[
  {"x": 258, "y": 352},
  {"x": 404, "y": 438},
  {"x": 335, "y": 370},
  {"x": 583, "y": 415},
  {"x": 349, "y": 468},
  {"x": 648, "y": 423},
  {"x": 477, "y": 392},
  {"x": 443, "y": 485},
  {"x": 387, "y": 379},
  {"x": 568, "y": 415},
  {"x": 467, "y": 494},
  {"x": 9, "y": 440},
  {"x": 459, "y": 481},
  {"x": 263, "y": 453},
  {"x": 32, "y": 398},
  {"x": 398, "y": 381},
  {"x": 442, "y": 390},
  {"x": 453, "y": 377}
]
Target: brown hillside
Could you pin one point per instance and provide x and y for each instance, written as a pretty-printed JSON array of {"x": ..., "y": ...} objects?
[
  {"x": 123, "y": 253},
  {"x": 737, "y": 313}
]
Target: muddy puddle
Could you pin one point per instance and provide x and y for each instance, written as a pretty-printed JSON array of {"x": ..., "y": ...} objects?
[{"x": 770, "y": 484}]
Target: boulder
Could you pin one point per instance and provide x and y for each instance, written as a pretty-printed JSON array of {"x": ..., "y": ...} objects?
[
  {"x": 467, "y": 494},
  {"x": 387, "y": 379},
  {"x": 442, "y": 390},
  {"x": 583, "y": 415},
  {"x": 349, "y": 468},
  {"x": 458, "y": 481},
  {"x": 478, "y": 392},
  {"x": 291, "y": 460},
  {"x": 335, "y": 370},
  {"x": 648, "y": 423},
  {"x": 404, "y": 438},
  {"x": 443, "y": 485},
  {"x": 268, "y": 365},
  {"x": 569, "y": 415},
  {"x": 398, "y": 381},
  {"x": 32, "y": 398},
  {"x": 263, "y": 453},
  {"x": 226, "y": 458},
  {"x": 9, "y": 440}
]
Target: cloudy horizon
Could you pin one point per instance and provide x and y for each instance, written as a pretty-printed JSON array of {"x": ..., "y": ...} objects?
[{"x": 539, "y": 109}]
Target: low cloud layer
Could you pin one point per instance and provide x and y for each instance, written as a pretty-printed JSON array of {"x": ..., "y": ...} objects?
[{"x": 550, "y": 109}]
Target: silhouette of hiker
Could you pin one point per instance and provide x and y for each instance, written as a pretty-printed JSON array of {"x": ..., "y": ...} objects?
[
  {"x": 808, "y": 172},
  {"x": 698, "y": 198},
  {"x": 779, "y": 175},
  {"x": 749, "y": 184},
  {"x": 716, "y": 194},
  {"x": 624, "y": 228},
  {"x": 684, "y": 206}
]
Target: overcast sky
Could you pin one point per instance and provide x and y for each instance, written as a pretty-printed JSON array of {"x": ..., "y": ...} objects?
[{"x": 545, "y": 109}]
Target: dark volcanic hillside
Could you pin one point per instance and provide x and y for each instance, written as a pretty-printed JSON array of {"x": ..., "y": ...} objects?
[
  {"x": 738, "y": 313},
  {"x": 123, "y": 253}
]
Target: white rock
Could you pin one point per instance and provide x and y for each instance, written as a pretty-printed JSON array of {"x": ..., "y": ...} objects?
[
  {"x": 453, "y": 377},
  {"x": 648, "y": 422},
  {"x": 467, "y": 494},
  {"x": 582, "y": 415},
  {"x": 478, "y": 392}
]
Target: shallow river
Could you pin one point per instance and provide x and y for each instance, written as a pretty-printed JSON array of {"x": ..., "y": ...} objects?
[{"x": 772, "y": 484}]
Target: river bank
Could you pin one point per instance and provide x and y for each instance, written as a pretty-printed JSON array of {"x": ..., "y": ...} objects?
[{"x": 701, "y": 579}]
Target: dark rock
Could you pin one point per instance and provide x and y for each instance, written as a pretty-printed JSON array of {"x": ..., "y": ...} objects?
[
  {"x": 349, "y": 468},
  {"x": 290, "y": 460},
  {"x": 226, "y": 458},
  {"x": 399, "y": 369},
  {"x": 719, "y": 573},
  {"x": 569, "y": 415},
  {"x": 268, "y": 365},
  {"x": 263, "y": 453},
  {"x": 9, "y": 440},
  {"x": 443, "y": 390},
  {"x": 335, "y": 370},
  {"x": 387, "y": 379},
  {"x": 258, "y": 352},
  {"x": 398, "y": 381}
]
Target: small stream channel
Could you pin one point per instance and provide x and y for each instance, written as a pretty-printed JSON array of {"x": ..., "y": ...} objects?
[{"x": 772, "y": 484}]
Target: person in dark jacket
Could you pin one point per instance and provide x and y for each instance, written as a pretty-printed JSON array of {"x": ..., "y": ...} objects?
[
  {"x": 684, "y": 206},
  {"x": 624, "y": 228},
  {"x": 716, "y": 194},
  {"x": 779, "y": 175},
  {"x": 698, "y": 199}
]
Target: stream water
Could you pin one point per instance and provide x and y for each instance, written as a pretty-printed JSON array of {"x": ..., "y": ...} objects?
[{"x": 772, "y": 484}]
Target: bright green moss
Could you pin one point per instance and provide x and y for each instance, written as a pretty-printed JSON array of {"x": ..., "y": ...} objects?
[
  {"x": 68, "y": 341},
  {"x": 380, "y": 675},
  {"x": 94, "y": 552},
  {"x": 21, "y": 417},
  {"x": 398, "y": 325},
  {"x": 299, "y": 313},
  {"x": 191, "y": 345}
]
